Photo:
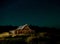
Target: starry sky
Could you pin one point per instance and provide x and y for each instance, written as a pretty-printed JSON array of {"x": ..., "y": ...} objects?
[{"x": 35, "y": 12}]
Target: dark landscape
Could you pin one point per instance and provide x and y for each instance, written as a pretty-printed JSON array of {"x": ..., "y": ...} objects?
[
  {"x": 42, "y": 17},
  {"x": 49, "y": 36}
]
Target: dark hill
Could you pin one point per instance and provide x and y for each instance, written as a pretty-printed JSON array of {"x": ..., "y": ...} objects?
[
  {"x": 36, "y": 28},
  {"x": 7, "y": 28}
]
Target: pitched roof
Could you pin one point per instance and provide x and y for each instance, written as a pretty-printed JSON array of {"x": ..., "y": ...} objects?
[{"x": 21, "y": 27}]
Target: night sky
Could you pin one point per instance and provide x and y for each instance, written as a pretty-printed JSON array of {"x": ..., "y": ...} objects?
[{"x": 35, "y": 12}]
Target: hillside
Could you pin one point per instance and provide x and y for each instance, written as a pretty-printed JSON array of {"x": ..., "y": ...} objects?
[{"x": 31, "y": 35}]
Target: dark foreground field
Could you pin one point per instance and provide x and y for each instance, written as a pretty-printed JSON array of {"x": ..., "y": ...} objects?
[{"x": 49, "y": 36}]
